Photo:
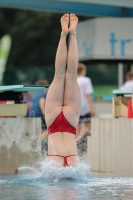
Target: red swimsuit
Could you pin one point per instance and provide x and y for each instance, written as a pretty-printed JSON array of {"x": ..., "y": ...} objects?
[{"x": 60, "y": 124}]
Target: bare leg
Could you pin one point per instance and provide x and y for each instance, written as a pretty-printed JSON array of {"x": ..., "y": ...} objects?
[
  {"x": 83, "y": 131},
  {"x": 44, "y": 134},
  {"x": 71, "y": 107},
  {"x": 55, "y": 96},
  {"x": 78, "y": 131}
]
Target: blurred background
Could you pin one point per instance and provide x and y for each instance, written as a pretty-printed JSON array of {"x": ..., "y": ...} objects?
[{"x": 34, "y": 30}]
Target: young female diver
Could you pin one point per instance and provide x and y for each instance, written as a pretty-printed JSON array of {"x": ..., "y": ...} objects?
[{"x": 62, "y": 108}]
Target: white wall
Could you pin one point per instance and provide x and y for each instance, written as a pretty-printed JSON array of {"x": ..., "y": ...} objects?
[{"x": 110, "y": 146}]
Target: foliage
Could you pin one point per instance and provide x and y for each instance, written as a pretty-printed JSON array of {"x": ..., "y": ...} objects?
[
  {"x": 100, "y": 76},
  {"x": 103, "y": 74},
  {"x": 35, "y": 36}
]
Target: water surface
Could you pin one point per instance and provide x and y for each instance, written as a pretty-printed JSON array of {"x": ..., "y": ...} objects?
[{"x": 70, "y": 183}]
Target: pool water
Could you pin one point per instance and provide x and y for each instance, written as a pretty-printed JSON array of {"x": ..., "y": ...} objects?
[{"x": 55, "y": 183}]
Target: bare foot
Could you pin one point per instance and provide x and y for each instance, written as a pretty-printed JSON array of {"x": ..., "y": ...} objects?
[
  {"x": 64, "y": 23},
  {"x": 73, "y": 22}
]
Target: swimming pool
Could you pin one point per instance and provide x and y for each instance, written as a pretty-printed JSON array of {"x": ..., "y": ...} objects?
[{"x": 65, "y": 184}]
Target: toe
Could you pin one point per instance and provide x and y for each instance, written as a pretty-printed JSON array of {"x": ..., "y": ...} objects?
[
  {"x": 71, "y": 15},
  {"x": 66, "y": 15}
]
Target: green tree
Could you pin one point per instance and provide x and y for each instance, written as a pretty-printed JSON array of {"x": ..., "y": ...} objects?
[{"x": 35, "y": 36}]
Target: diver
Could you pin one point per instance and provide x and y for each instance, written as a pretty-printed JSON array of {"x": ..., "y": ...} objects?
[{"x": 62, "y": 107}]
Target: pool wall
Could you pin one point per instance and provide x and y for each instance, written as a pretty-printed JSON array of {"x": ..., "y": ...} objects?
[
  {"x": 20, "y": 142},
  {"x": 110, "y": 146}
]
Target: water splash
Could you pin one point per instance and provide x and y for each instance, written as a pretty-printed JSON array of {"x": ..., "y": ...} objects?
[
  {"x": 49, "y": 171},
  {"x": 52, "y": 172}
]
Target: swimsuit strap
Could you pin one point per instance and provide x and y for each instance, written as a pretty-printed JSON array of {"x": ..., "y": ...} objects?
[{"x": 65, "y": 158}]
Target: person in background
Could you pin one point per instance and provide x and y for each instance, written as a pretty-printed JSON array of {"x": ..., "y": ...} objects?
[
  {"x": 27, "y": 99},
  {"x": 87, "y": 109},
  {"x": 38, "y": 106},
  {"x": 129, "y": 81}
]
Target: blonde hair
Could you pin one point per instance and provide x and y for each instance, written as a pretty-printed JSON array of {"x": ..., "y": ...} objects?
[{"x": 81, "y": 67}]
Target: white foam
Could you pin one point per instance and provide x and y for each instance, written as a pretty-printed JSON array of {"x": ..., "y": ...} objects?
[
  {"x": 3, "y": 181},
  {"x": 50, "y": 171}
]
